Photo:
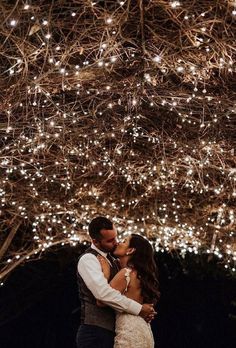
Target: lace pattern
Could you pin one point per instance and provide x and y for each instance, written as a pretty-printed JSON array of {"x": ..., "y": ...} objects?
[{"x": 132, "y": 331}]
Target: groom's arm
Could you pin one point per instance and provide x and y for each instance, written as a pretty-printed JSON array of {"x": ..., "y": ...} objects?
[{"x": 90, "y": 270}]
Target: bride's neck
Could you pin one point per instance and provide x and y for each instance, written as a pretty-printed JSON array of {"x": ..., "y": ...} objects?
[{"x": 124, "y": 261}]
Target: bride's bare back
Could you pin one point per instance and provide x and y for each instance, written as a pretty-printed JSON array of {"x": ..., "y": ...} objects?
[{"x": 133, "y": 290}]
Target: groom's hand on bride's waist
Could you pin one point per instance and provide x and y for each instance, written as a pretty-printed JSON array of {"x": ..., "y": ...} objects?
[{"x": 147, "y": 312}]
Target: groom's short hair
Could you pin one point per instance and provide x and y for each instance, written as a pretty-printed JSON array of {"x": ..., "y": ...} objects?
[{"x": 97, "y": 224}]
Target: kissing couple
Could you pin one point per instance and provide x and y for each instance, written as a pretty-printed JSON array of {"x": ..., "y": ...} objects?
[{"x": 117, "y": 294}]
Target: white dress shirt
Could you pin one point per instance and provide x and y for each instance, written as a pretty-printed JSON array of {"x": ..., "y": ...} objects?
[{"x": 90, "y": 270}]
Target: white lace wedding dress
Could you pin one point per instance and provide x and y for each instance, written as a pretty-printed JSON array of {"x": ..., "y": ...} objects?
[{"x": 132, "y": 331}]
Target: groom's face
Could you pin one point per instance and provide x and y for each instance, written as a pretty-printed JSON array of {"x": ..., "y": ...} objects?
[{"x": 108, "y": 241}]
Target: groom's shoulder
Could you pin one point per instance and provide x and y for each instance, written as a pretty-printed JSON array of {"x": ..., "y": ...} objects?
[{"x": 88, "y": 252}]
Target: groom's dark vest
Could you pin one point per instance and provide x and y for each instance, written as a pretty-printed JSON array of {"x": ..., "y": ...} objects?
[{"x": 92, "y": 314}]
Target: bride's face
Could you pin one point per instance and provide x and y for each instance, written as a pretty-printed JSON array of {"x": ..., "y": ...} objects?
[{"x": 123, "y": 247}]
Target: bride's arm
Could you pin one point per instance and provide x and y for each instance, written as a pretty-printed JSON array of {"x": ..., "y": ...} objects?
[
  {"x": 117, "y": 283},
  {"x": 105, "y": 266}
]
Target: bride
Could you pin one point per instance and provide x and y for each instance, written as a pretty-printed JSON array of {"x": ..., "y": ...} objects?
[{"x": 136, "y": 280}]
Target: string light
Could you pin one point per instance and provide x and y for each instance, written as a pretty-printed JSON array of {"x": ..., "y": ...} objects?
[
  {"x": 103, "y": 120},
  {"x": 13, "y": 22}
]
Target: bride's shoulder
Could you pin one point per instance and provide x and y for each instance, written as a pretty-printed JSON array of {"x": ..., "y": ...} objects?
[
  {"x": 130, "y": 272},
  {"x": 126, "y": 272}
]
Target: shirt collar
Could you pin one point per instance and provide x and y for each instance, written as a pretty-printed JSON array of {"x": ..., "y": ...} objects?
[{"x": 98, "y": 250}]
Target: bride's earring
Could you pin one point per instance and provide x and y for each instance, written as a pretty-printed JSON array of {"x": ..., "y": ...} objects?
[{"x": 130, "y": 252}]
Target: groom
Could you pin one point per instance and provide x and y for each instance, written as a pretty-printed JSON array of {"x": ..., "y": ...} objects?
[{"x": 97, "y": 327}]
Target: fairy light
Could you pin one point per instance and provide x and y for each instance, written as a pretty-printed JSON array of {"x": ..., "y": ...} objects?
[
  {"x": 109, "y": 20},
  {"x": 175, "y": 4},
  {"x": 157, "y": 59},
  {"x": 127, "y": 131},
  {"x": 180, "y": 69},
  {"x": 13, "y": 22}
]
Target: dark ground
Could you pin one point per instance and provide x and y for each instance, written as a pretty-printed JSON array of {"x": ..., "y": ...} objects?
[{"x": 39, "y": 304}]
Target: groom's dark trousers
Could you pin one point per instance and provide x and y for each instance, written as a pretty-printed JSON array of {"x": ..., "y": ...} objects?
[{"x": 91, "y": 336}]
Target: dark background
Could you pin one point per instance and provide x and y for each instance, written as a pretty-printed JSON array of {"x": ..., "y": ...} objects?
[{"x": 39, "y": 305}]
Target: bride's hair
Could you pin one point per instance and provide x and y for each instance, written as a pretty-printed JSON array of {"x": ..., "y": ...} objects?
[{"x": 143, "y": 262}]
